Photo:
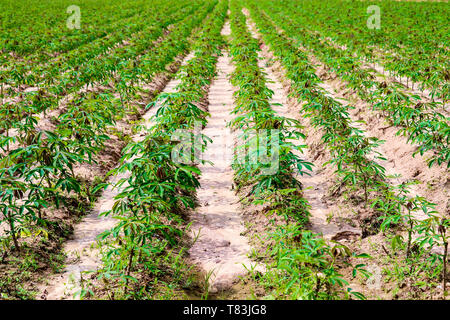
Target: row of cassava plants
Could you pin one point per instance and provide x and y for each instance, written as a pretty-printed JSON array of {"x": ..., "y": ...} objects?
[
  {"x": 301, "y": 264},
  {"x": 109, "y": 26},
  {"x": 61, "y": 78},
  {"x": 406, "y": 44},
  {"x": 30, "y": 72},
  {"x": 49, "y": 34},
  {"x": 419, "y": 121},
  {"x": 112, "y": 34},
  {"x": 42, "y": 161},
  {"x": 350, "y": 151},
  {"x": 143, "y": 253},
  {"x": 38, "y": 175},
  {"x": 126, "y": 80}
]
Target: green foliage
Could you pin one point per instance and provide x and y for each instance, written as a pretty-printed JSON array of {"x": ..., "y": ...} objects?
[{"x": 158, "y": 190}]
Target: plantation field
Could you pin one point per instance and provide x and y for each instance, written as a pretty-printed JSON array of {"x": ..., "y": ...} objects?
[{"x": 224, "y": 149}]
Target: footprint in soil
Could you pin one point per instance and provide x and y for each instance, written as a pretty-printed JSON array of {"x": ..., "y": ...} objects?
[{"x": 223, "y": 243}]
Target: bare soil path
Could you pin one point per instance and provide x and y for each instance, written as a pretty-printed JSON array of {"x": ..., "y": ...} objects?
[
  {"x": 220, "y": 249},
  {"x": 433, "y": 183},
  {"x": 317, "y": 184},
  {"x": 82, "y": 253}
]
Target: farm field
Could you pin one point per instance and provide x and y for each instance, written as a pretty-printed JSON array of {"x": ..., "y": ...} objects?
[{"x": 224, "y": 150}]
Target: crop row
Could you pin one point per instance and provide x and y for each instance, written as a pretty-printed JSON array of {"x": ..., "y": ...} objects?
[
  {"x": 158, "y": 189},
  {"x": 419, "y": 121},
  {"x": 38, "y": 175},
  {"x": 354, "y": 156},
  {"x": 406, "y": 43},
  {"x": 48, "y": 34},
  {"x": 301, "y": 264},
  {"x": 31, "y": 71},
  {"x": 116, "y": 69}
]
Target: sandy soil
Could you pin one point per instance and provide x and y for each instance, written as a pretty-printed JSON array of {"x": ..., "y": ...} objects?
[
  {"x": 315, "y": 186},
  {"x": 220, "y": 248},
  {"x": 433, "y": 183},
  {"x": 44, "y": 118},
  {"x": 327, "y": 208},
  {"x": 382, "y": 74},
  {"x": 82, "y": 253}
]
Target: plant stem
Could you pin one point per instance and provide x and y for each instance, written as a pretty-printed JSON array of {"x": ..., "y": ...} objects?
[
  {"x": 130, "y": 261},
  {"x": 409, "y": 235},
  {"x": 13, "y": 232},
  {"x": 444, "y": 272}
]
